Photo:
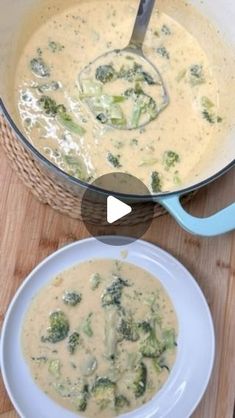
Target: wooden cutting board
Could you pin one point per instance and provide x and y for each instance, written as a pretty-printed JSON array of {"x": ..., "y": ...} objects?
[{"x": 29, "y": 231}]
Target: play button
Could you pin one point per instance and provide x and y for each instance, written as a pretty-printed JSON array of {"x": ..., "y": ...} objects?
[
  {"x": 117, "y": 204},
  {"x": 116, "y": 209}
]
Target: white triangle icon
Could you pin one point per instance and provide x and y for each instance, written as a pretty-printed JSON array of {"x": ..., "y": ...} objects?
[{"x": 116, "y": 209}]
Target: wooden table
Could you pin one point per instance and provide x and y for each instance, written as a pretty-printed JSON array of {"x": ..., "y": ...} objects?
[{"x": 29, "y": 231}]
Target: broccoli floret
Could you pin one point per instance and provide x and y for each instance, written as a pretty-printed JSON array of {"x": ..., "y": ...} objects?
[
  {"x": 156, "y": 365},
  {"x": 210, "y": 117},
  {"x": 159, "y": 364},
  {"x": 62, "y": 388},
  {"x": 39, "y": 67},
  {"x": 59, "y": 328},
  {"x": 196, "y": 74},
  {"x": 54, "y": 368},
  {"x": 82, "y": 398},
  {"x": 105, "y": 73},
  {"x": 73, "y": 342},
  {"x": 166, "y": 30},
  {"x": 147, "y": 105},
  {"x": 72, "y": 298},
  {"x": 208, "y": 111},
  {"x": 102, "y": 118},
  {"x": 121, "y": 402},
  {"x": 78, "y": 393},
  {"x": 50, "y": 107},
  {"x": 128, "y": 329},
  {"x": 130, "y": 93},
  {"x": 196, "y": 71},
  {"x": 143, "y": 104},
  {"x": 163, "y": 52},
  {"x": 86, "y": 326},
  {"x": 170, "y": 158},
  {"x": 156, "y": 182},
  {"x": 140, "y": 381},
  {"x": 95, "y": 281},
  {"x": 113, "y": 293},
  {"x": 55, "y": 46},
  {"x": 114, "y": 160},
  {"x": 145, "y": 326},
  {"x": 40, "y": 359},
  {"x": 53, "y": 86},
  {"x": 103, "y": 390},
  {"x": 134, "y": 142},
  {"x": 148, "y": 78},
  {"x": 136, "y": 73},
  {"x": 39, "y": 52},
  {"x": 150, "y": 346},
  {"x": 169, "y": 339},
  {"x": 129, "y": 73}
]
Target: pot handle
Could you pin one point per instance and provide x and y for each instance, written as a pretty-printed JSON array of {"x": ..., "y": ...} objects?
[{"x": 217, "y": 224}]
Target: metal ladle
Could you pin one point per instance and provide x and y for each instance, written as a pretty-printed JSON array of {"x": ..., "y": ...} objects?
[{"x": 135, "y": 47}]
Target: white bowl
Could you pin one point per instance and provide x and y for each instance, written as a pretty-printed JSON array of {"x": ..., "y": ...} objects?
[{"x": 191, "y": 372}]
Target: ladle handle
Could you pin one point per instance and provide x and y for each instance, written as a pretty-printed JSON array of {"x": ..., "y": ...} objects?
[{"x": 141, "y": 23}]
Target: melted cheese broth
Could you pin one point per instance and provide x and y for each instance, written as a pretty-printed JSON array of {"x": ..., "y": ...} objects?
[
  {"x": 75, "y": 37},
  {"x": 144, "y": 299}
]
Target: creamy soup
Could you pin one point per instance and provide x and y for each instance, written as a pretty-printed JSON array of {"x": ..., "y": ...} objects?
[
  {"x": 100, "y": 338},
  {"x": 56, "y": 117}
]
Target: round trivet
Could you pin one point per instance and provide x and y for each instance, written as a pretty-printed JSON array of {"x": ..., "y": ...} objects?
[{"x": 51, "y": 193}]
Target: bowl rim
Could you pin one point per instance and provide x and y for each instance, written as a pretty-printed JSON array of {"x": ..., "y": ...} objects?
[{"x": 77, "y": 182}]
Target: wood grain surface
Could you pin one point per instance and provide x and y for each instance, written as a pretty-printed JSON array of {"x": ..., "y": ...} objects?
[{"x": 29, "y": 231}]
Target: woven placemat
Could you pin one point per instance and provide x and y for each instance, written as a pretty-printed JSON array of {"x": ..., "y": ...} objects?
[{"x": 53, "y": 194}]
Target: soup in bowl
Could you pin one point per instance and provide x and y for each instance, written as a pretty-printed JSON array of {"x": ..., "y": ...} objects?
[{"x": 101, "y": 338}]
